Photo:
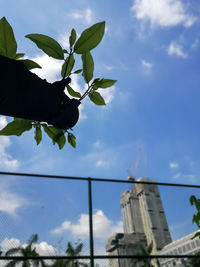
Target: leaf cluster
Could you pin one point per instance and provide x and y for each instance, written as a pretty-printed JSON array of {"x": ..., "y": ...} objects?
[
  {"x": 196, "y": 217},
  {"x": 87, "y": 41},
  {"x": 141, "y": 250}
]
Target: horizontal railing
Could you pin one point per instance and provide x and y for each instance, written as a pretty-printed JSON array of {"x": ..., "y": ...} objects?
[{"x": 91, "y": 255}]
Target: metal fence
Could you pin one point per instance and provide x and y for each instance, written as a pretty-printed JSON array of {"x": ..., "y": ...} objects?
[{"x": 91, "y": 256}]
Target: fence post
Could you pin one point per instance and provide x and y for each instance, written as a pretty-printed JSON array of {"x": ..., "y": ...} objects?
[{"x": 90, "y": 222}]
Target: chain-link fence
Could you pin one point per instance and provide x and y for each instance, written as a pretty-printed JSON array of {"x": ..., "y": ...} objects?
[{"x": 48, "y": 220}]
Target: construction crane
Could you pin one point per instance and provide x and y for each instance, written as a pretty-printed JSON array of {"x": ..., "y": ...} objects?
[
  {"x": 130, "y": 176},
  {"x": 146, "y": 165},
  {"x": 137, "y": 161}
]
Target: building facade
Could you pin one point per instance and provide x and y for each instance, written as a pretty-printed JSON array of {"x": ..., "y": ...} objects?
[
  {"x": 182, "y": 246},
  {"x": 143, "y": 212},
  {"x": 144, "y": 222}
]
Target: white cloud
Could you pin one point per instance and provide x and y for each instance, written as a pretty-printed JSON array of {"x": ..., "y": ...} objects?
[
  {"x": 101, "y": 163},
  {"x": 163, "y": 13},
  {"x": 98, "y": 144},
  {"x": 3, "y": 122},
  {"x": 176, "y": 49},
  {"x": 108, "y": 67},
  {"x": 86, "y": 16},
  {"x": 188, "y": 174},
  {"x": 98, "y": 157},
  {"x": 146, "y": 64},
  {"x": 173, "y": 165},
  {"x": 7, "y": 244},
  {"x": 107, "y": 94},
  {"x": 50, "y": 68},
  {"x": 6, "y": 160},
  {"x": 10, "y": 202},
  {"x": 44, "y": 249},
  {"x": 103, "y": 227},
  {"x": 176, "y": 176},
  {"x": 195, "y": 43},
  {"x": 186, "y": 178},
  {"x": 64, "y": 40}
]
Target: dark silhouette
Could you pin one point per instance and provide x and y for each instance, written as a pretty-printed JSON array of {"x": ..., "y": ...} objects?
[{"x": 25, "y": 95}]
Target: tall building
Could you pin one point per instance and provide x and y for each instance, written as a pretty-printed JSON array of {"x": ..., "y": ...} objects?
[
  {"x": 144, "y": 221},
  {"x": 142, "y": 212}
]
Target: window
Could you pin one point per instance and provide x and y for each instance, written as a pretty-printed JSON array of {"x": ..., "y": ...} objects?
[
  {"x": 193, "y": 244},
  {"x": 188, "y": 247},
  {"x": 197, "y": 242},
  {"x": 180, "y": 250}
]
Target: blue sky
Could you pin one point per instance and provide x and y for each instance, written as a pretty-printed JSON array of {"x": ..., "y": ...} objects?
[{"x": 152, "y": 49}]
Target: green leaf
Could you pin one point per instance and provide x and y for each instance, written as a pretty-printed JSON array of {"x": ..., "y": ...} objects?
[
  {"x": 49, "y": 132},
  {"x": 103, "y": 83},
  {"x": 77, "y": 71},
  {"x": 1, "y": 51},
  {"x": 16, "y": 127},
  {"x": 88, "y": 66},
  {"x": 60, "y": 140},
  {"x": 72, "y": 38},
  {"x": 19, "y": 55},
  {"x": 72, "y": 92},
  {"x": 96, "y": 80},
  {"x": 68, "y": 66},
  {"x": 38, "y": 133},
  {"x": 48, "y": 45},
  {"x": 196, "y": 235},
  {"x": 90, "y": 38},
  {"x": 71, "y": 140},
  {"x": 97, "y": 98},
  {"x": 65, "y": 51},
  {"x": 56, "y": 135},
  {"x": 8, "y": 44},
  {"x": 192, "y": 199},
  {"x": 30, "y": 64},
  {"x": 197, "y": 204}
]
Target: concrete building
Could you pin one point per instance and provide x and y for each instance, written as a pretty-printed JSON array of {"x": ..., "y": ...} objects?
[
  {"x": 144, "y": 222},
  {"x": 124, "y": 244},
  {"x": 142, "y": 212},
  {"x": 182, "y": 246}
]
